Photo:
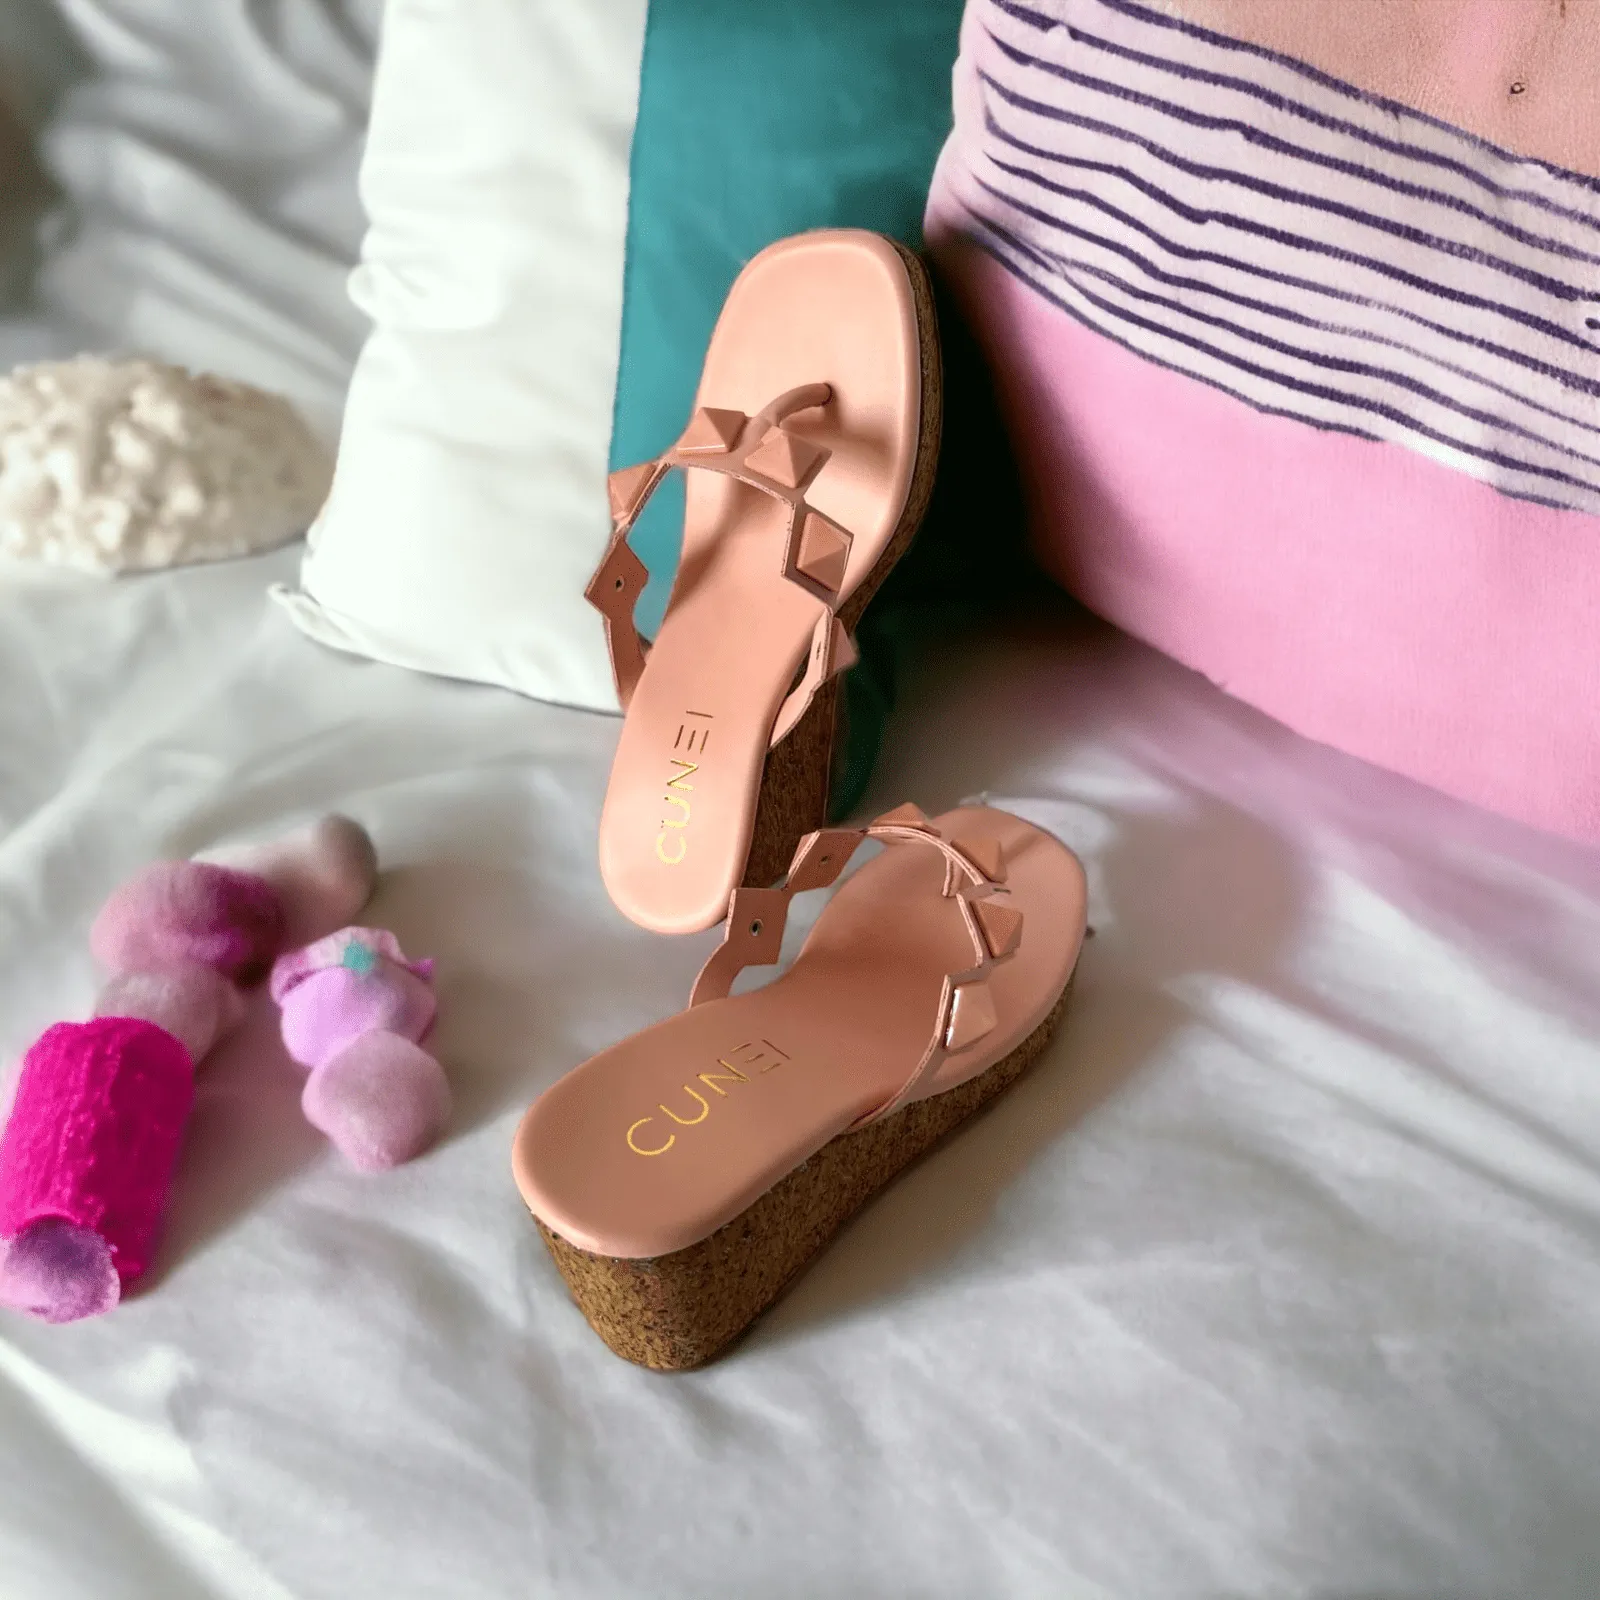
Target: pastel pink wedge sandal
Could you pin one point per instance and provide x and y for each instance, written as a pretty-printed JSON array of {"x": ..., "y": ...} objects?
[
  {"x": 683, "y": 1177},
  {"x": 809, "y": 463}
]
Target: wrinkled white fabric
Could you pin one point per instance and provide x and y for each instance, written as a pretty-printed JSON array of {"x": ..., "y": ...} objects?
[
  {"x": 208, "y": 160},
  {"x": 1279, "y": 1276}
]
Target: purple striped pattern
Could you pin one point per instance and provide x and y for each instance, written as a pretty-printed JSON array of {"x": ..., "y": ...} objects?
[{"x": 1311, "y": 250}]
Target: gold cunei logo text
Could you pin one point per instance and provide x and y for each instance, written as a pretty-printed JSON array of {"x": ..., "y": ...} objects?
[
  {"x": 748, "y": 1062},
  {"x": 672, "y": 842}
]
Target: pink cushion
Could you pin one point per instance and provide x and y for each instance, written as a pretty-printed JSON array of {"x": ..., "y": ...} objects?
[{"x": 1303, "y": 381}]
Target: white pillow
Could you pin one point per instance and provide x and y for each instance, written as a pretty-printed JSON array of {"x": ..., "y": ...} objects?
[{"x": 469, "y": 507}]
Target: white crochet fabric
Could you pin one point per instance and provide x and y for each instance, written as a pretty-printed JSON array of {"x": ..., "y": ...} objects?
[{"x": 127, "y": 466}]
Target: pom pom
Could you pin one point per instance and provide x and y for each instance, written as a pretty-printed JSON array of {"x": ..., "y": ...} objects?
[
  {"x": 196, "y": 1005},
  {"x": 382, "y": 1101},
  {"x": 190, "y": 913},
  {"x": 348, "y": 984},
  {"x": 57, "y": 1271},
  {"x": 331, "y": 1009},
  {"x": 324, "y": 874}
]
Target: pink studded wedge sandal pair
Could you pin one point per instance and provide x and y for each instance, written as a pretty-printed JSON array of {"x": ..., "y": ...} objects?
[{"x": 683, "y": 1177}]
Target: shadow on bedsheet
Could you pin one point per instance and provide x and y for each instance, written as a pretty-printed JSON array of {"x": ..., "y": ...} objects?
[
  {"x": 1201, "y": 822},
  {"x": 1180, "y": 885},
  {"x": 246, "y": 1138}
]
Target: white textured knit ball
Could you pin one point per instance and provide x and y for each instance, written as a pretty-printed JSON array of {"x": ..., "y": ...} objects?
[{"x": 126, "y": 466}]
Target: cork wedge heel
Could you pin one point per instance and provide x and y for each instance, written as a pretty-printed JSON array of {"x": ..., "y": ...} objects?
[
  {"x": 683, "y": 1178},
  {"x": 683, "y": 1310},
  {"x": 810, "y": 461}
]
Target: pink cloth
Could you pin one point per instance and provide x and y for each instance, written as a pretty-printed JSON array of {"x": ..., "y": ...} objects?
[
  {"x": 94, "y": 1135},
  {"x": 1305, "y": 382},
  {"x": 1362, "y": 594}
]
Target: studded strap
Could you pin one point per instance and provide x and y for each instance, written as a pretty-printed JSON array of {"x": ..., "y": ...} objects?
[
  {"x": 761, "y": 452},
  {"x": 974, "y": 878}
]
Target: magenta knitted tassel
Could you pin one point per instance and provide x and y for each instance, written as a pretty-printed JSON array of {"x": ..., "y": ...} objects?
[{"x": 95, "y": 1132}]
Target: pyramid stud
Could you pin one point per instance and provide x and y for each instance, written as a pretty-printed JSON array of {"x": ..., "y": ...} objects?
[
  {"x": 843, "y": 653},
  {"x": 783, "y": 458},
  {"x": 906, "y": 816},
  {"x": 972, "y": 1015},
  {"x": 1000, "y": 925},
  {"x": 627, "y": 488},
  {"x": 824, "y": 552},
  {"x": 986, "y": 855},
  {"x": 711, "y": 432}
]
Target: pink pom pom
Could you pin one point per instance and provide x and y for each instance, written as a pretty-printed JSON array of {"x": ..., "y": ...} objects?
[
  {"x": 180, "y": 913},
  {"x": 196, "y": 1005},
  {"x": 58, "y": 1272},
  {"x": 353, "y": 1009},
  {"x": 346, "y": 985},
  {"x": 382, "y": 1101},
  {"x": 324, "y": 874}
]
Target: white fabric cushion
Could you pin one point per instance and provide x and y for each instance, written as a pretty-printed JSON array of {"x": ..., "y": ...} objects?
[{"x": 469, "y": 508}]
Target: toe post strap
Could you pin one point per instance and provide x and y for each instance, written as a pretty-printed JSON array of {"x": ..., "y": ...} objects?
[
  {"x": 712, "y": 432},
  {"x": 975, "y": 874},
  {"x": 832, "y": 651},
  {"x": 752, "y": 937},
  {"x": 614, "y": 592},
  {"x": 761, "y": 452},
  {"x": 972, "y": 1015},
  {"x": 753, "y": 933}
]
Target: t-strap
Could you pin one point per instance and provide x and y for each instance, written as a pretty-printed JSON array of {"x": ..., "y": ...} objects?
[
  {"x": 974, "y": 877},
  {"x": 761, "y": 452}
]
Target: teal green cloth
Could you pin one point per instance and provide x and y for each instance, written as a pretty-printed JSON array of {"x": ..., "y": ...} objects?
[{"x": 759, "y": 119}]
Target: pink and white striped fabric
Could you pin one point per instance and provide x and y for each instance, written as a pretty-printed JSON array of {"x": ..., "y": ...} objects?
[{"x": 1306, "y": 384}]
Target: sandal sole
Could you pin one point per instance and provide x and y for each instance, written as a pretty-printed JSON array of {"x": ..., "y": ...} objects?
[{"x": 679, "y": 1311}]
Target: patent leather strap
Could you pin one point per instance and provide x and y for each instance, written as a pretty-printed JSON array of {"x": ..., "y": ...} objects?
[
  {"x": 974, "y": 878},
  {"x": 761, "y": 452}
]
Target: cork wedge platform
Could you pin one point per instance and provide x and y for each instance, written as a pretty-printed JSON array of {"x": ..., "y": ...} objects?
[
  {"x": 683, "y": 1178},
  {"x": 809, "y": 462}
]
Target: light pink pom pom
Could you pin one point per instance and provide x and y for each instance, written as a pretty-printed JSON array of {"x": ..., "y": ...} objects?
[
  {"x": 382, "y": 1101},
  {"x": 190, "y": 913},
  {"x": 196, "y": 1005}
]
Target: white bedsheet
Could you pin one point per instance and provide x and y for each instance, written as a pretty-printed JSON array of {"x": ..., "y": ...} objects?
[
  {"x": 206, "y": 155},
  {"x": 1277, "y": 1277}
]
